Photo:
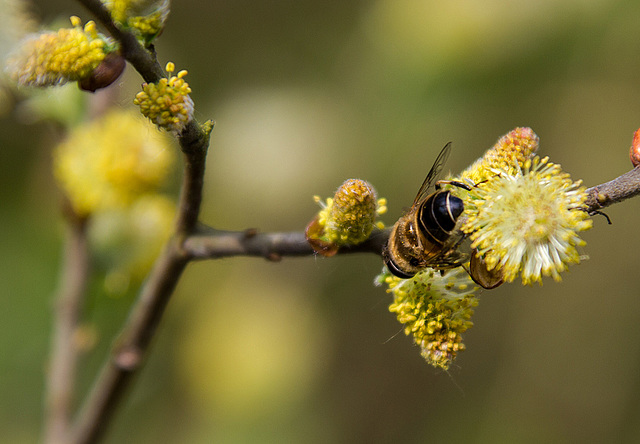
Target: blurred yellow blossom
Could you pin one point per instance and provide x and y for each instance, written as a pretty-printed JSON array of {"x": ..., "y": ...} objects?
[
  {"x": 109, "y": 162},
  {"x": 16, "y": 21},
  {"x": 150, "y": 25},
  {"x": 53, "y": 58},
  {"x": 146, "y": 17},
  {"x": 127, "y": 240}
]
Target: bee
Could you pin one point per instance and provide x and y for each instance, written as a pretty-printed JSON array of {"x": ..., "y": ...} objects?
[{"x": 427, "y": 236}]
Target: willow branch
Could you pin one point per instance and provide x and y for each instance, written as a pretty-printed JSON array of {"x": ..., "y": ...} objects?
[
  {"x": 134, "y": 340},
  {"x": 130, "y": 348},
  {"x": 64, "y": 351},
  {"x": 194, "y": 144},
  {"x": 209, "y": 243},
  {"x": 140, "y": 58},
  {"x": 193, "y": 140},
  {"x": 617, "y": 190},
  {"x": 132, "y": 345}
]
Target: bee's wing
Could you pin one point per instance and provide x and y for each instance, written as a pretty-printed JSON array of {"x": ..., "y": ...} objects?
[{"x": 433, "y": 173}]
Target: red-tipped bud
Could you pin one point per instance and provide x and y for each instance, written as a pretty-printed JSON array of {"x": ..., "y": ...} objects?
[{"x": 634, "y": 151}]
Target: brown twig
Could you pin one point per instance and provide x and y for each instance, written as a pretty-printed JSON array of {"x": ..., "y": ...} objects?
[
  {"x": 216, "y": 244},
  {"x": 133, "y": 342},
  {"x": 617, "y": 190},
  {"x": 194, "y": 144},
  {"x": 209, "y": 243},
  {"x": 61, "y": 373},
  {"x": 143, "y": 61},
  {"x": 130, "y": 348}
]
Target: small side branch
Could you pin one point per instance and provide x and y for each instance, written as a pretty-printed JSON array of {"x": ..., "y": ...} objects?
[
  {"x": 132, "y": 345},
  {"x": 216, "y": 244},
  {"x": 61, "y": 373},
  {"x": 130, "y": 348},
  {"x": 194, "y": 143},
  {"x": 142, "y": 60},
  {"x": 209, "y": 243},
  {"x": 617, "y": 190}
]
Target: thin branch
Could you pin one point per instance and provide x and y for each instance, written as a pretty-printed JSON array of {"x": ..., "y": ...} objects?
[
  {"x": 133, "y": 342},
  {"x": 130, "y": 348},
  {"x": 617, "y": 190},
  {"x": 194, "y": 144},
  {"x": 193, "y": 140},
  {"x": 209, "y": 243},
  {"x": 61, "y": 374},
  {"x": 142, "y": 60}
]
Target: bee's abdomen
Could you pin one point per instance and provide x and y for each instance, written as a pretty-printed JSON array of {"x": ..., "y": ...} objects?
[
  {"x": 438, "y": 216},
  {"x": 396, "y": 253},
  {"x": 396, "y": 270}
]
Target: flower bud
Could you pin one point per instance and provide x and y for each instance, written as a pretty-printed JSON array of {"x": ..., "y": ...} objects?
[
  {"x": 634, "y": 151},
  {"x": 167, "y": 102},
  {"x": 508, "y": 154},
  {"x": 347, "y": 219}
]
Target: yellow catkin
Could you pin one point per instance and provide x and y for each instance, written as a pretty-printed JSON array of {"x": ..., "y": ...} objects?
[
  {"x": 167, "y": 103},
  {"x": 53, "y": 58},
  {"x": 108, "y": 163}
]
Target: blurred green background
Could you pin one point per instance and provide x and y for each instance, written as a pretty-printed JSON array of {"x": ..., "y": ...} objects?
[{"x": 305, "y": 95}]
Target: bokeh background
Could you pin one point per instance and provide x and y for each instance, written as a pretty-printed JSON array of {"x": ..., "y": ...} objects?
[{"x": 305, "y": 95}]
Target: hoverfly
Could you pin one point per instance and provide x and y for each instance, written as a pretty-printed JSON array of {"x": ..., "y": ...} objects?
[{"x": 426, "y": 236}]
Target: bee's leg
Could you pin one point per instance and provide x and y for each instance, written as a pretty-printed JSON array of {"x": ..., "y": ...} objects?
[
  {"x": 594, "y": 212},
  {"x": 455, "y": 183}
]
